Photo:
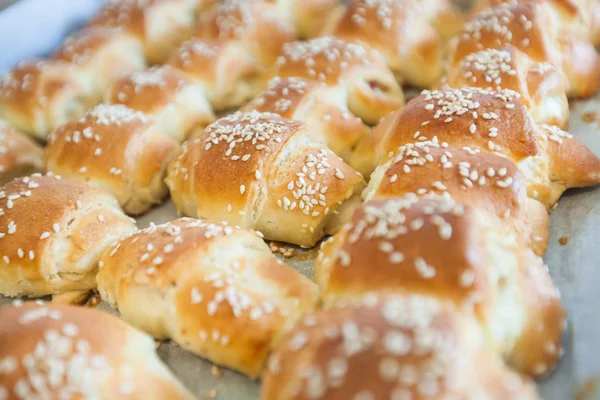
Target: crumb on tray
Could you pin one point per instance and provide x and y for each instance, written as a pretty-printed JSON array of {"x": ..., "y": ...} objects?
[
  {"x": 589, "y": 116},
  {"x": 564, "y": 240}
]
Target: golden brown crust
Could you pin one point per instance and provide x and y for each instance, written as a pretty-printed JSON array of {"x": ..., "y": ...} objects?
[
  {"x": 117, "y": 149},
  {"x": 450, "y": 115},
  {"x": 486, "y": 121},
  {"x": 52, "y": 232},
  {"x": 371, "y": 87},
  {"x": 533, "y": 29},
  {"x": 161, "y": 25},
  {"x": 401, "y": 31},
  {"x": 414, "y": 346},
  {"x": 38, "y": 96},
  {"x": 62, "y": 351},
  {"x": 176, "y": 102},
  {"x": 228, "y": 74},
  {"x": 539, "y": 84},
  {"x": 104, "y": 53},
  {"x": 321, "y": 107},
  {"x": 261, "y": 171},
  {"x": 175, "y": 281},
  {"x": 487, "y": 181},
  {"x": 437, "y": 247},
  {"x": 19, "y": 155}
]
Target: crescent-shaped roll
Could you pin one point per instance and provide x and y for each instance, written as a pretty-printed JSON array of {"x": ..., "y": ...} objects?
[
  {"x": 38, "y": 96},
  {"x": 371, "y": 87},
  {"x": 533, "y": 29},
  {"x": 550, "y": 159},
  {"x": 389, "y": 346},
  {"x": 438, "y": 247},
  {"x": 19, "y": 155},
  {"x": 540, "y": 86},
  {"x": 228, "y": 75},
  {"x": 324, "y": 108},
  {"x": 117, "y": 149},
  {"x": 105, "y": 54},
  {"x": 404, "y": 32},
  {"x": 233, "y": 47},
  {"x": 216, "y": 290},
  {"x": 176, "y": 102},
  {"x": 261, "y": 171},
  {"x": 64, "y": 352},
  {"x": 307, "y": 16},
  {"x": 582, "y": 16},
  {"x": 52, "y": 233},
  {"x": 159, "y": 25},
  {"x": 488, "y": 181}
]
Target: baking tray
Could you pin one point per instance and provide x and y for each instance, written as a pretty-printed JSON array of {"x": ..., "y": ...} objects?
[{"x": 573, "y": 255}]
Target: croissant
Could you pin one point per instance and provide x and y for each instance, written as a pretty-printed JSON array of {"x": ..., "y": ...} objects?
[
  {"x": 38, "y": 96},
  {"x": 261, "y": 171},
  {"x": 52, "y": 233},
  {"x": 117, "y": 149},
  {"x": 488, "y": 181},
  {"x": 541, "y": 86},
  {"x": 533, "y": 29},
  {"x": 76, "y": 352},
  {"x": 159, "y": 25},
  {"x": 550, "y": 159},
  {"x": 216, "y": 290},
  {"x": 177, "y": 103},
  {"x": 389, "y": 346},
  {"x": 409, "y": 35},
  {"x": 232, "y": 49},
  {"x": 370, "y": 86},
  {"x": 435, "y": 246},
  {"x": 104, "y": 54},
  {"x": 320, "y": 106}
]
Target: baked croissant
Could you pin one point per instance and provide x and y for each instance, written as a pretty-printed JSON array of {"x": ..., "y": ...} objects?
[
  {"x": 550, "y": 159},
  {"x": 233, "y": 47},
  {"x": 438, "y": 247},
  {"x": 66, "y": 352},
  {"x": 485, "y": 180},
  {"x": 582, "y": 16},
  {"x": 52, "y": 233},
  {"x": 322, "y": 107},
  {"x": 104, "y": 54},
  {"x": 533, "y": 29},
  {"x": 216, "y": 290},
  {"x": 159, "y": 25},
  {"x": 19, "y": 155},
  {"x": 38, "y": 96},
  {"x": 117, "y": 149},
  {"x": 409, "y": 34},
  {"x": 176, "y": 102},
  {"x": 389, "y": 346},
  {"x": 370, "y": 86},
  {"x": 261, "y": 171},
  {"x": 541, "y": 86}
]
